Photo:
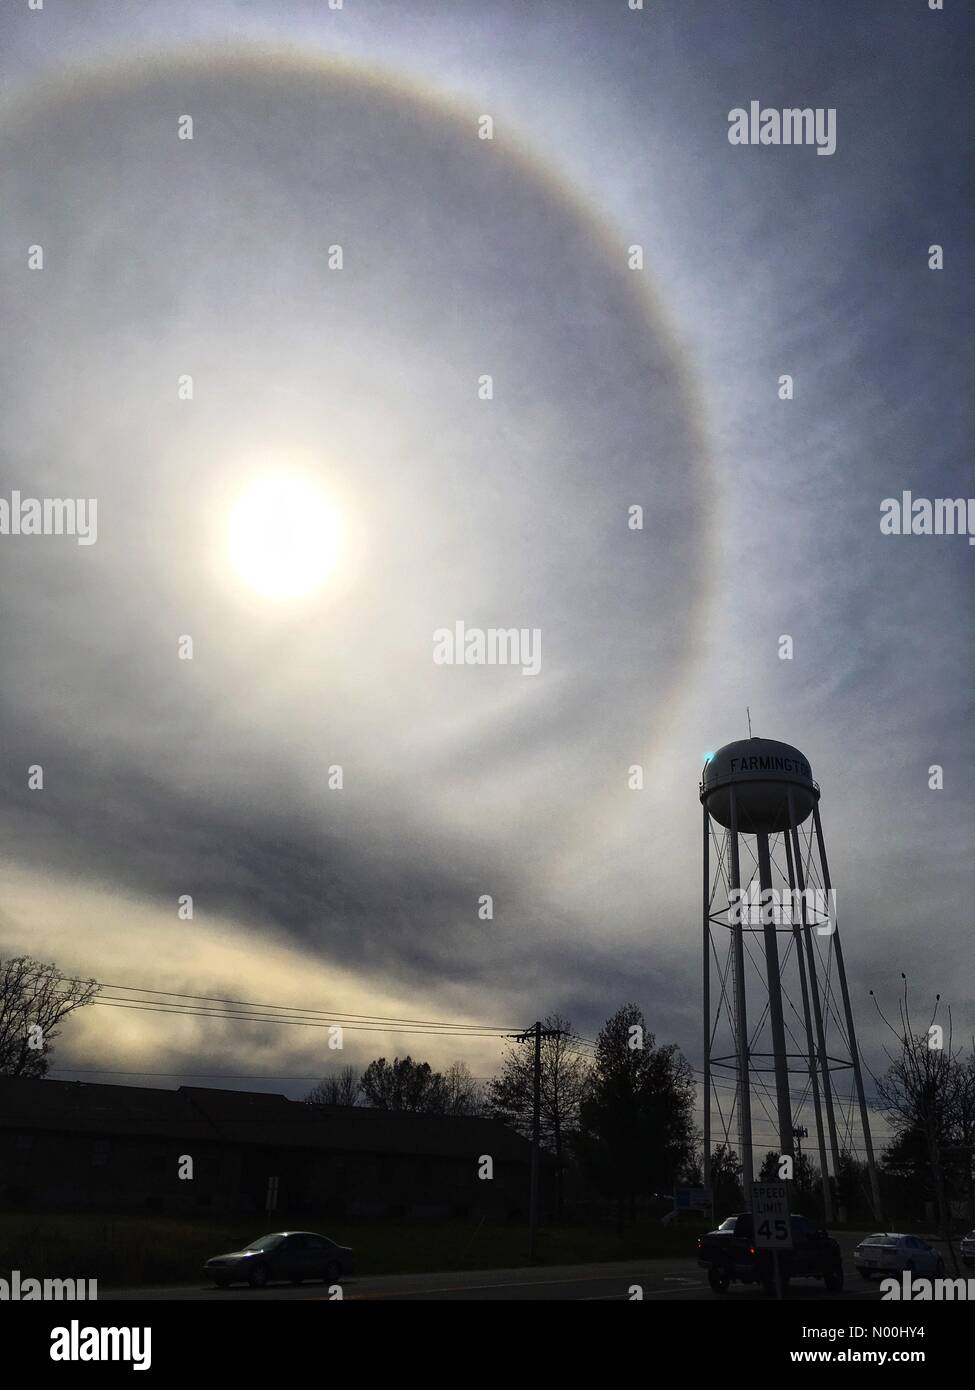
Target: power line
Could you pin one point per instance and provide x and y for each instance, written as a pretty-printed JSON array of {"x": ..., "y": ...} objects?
[
  {"x": 206, "y": 1006},
  {"x": 293, "y": 1009},
  {"x": 802, "y": 1097},
  {"x": 207, "y": 1076},
  {"x": 174, "y": 1010}
]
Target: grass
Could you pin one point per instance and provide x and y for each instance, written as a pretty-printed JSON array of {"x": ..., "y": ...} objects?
[{"x": 131, "y": 1249}]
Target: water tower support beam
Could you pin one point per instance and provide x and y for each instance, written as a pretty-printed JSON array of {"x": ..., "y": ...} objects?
[
  {"x": 776, "y": 1020},
  {"x": 707, "y": 998},
  {"x": 741, "y": 1021},
  {"x": 834, "y": 1147},
  {"x": 810, "y": 1045},
  {"x": 850, "y": 1030}
]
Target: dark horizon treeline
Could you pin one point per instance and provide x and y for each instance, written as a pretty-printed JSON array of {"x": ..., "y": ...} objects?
[
  {"x": 619, "y": 1123},
  {"x": 622, "y": 1121}
]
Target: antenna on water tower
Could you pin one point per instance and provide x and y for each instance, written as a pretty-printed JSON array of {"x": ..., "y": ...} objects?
[{"x": 749, "y": 714}]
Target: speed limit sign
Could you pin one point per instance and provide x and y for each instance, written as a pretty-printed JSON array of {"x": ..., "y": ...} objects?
[{"x": 770, "y": 1214}]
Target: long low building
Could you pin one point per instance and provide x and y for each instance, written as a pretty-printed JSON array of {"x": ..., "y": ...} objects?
[{"x": 68, "y": 1144}]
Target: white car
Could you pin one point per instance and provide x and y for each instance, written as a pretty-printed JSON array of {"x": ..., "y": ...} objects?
[
  {"x": 892, "y": 1252},
  {"x": 967, "y": 1248}
]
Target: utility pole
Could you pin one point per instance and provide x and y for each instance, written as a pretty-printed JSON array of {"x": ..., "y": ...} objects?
[
  {"x": 536, "y": 1140},
  {"x": 536, "y": 1033},
  {"x": 799, "y": 1133}
]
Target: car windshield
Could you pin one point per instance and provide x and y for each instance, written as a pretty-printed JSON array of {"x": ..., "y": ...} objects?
[
  {"x": 265, "y": 1243},
  {"x": 729, "y": 1224}
]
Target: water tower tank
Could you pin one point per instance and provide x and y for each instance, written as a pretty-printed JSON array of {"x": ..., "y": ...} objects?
[{"x": 761, "y": 770}]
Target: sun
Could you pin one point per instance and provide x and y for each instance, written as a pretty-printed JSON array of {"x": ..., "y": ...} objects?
[{"x": 283, "y": 537}]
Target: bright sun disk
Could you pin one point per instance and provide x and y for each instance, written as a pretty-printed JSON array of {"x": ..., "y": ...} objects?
[{"x": 283, "y": 537}]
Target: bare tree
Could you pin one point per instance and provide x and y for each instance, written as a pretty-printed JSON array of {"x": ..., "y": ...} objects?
[
  {"x": 462, "y": 1095},
  {"x": 34, "y": 1001},
  {"x": 402, "y": 1085},
  {"x": 344, "y": 1088},
  {"x": 922, "y": 1094},
  {"x": 965, "y": 1127}
]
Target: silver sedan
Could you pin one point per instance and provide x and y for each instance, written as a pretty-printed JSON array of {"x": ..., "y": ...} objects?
[{"x": 892, "y": 1252}]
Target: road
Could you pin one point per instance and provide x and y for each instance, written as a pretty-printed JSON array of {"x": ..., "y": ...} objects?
[
  {"x": 659, "y": 1279},
  {"x": 662, "y": 1279}
]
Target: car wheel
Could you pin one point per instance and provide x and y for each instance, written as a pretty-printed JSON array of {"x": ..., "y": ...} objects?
[
  {"x": 719, "y": 1279},
  {"x": 834, "y": 1278},
  {"x": 221, "y": 1283},
  {"x": 257, "y": 1277},
  {"x": 333, "y": 1271}
]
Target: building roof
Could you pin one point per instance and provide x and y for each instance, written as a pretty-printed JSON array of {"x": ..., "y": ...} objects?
[
  {"x": 248, "y": 1117},
  {"x": 77, "y": 1107}
]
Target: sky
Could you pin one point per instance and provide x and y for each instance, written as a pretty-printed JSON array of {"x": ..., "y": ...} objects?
[{"x": 613, "y": 387}]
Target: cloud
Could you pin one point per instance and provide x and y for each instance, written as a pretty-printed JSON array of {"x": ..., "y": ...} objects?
[{"x": 209, "y": 258}]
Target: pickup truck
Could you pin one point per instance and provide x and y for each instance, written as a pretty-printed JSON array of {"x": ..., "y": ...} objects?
[{"x": 729, "y": 1253}]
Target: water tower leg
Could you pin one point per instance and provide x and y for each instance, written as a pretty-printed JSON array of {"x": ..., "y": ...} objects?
[
  {"x": 850, "y": 1030},
  {"x": 741, "y": 1021},
  {"x": 707, "y": 999},
  {"x": 810, "y": 1045},
  {"x": 776, "y": 1020},
  {"x": 834, "y": 1147}
]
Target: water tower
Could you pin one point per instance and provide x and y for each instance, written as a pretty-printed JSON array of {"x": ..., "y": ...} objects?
[{"x": 775, "y": 1029}]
